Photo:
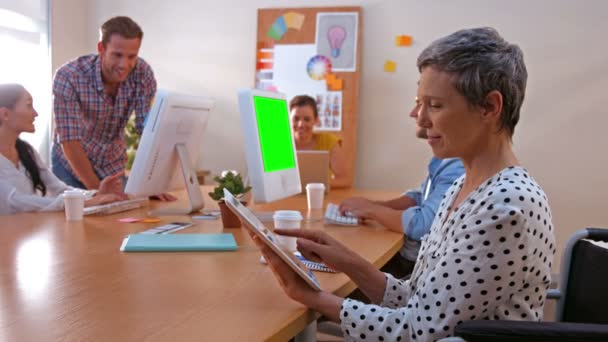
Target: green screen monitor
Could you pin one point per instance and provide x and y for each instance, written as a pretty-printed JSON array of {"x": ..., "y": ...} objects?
[{"x": 269, "y": 145}]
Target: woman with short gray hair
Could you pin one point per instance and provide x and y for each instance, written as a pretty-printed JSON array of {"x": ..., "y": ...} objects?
[{"x": 489, "y": 252}]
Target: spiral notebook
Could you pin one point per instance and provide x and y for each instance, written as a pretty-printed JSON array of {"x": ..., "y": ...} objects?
[{"x": 315, "y": 266}]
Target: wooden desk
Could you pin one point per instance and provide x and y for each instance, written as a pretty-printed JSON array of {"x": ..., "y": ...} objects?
[{"x": 68, "y": 281}]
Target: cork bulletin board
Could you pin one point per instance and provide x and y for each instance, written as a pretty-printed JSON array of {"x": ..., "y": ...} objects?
[{"x": 314, "y": 51}]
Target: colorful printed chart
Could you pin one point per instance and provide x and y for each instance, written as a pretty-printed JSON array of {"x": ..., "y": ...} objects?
[
  {"x": 318, "y": 67},
  {"x": 329, "y": 107}
]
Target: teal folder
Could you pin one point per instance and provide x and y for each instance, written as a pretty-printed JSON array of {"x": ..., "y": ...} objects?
[{"x": 178, "y": 243}]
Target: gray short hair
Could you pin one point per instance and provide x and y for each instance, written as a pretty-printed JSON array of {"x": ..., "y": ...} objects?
[{"x": 481, "y": 61}]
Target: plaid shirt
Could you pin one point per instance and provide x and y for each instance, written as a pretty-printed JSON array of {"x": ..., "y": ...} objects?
[{"x": 83, "y": 112}]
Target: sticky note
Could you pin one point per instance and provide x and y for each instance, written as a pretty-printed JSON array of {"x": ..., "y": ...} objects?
[
  {"x": 264, "y": 54},
  {"x": 263, "y": 66},
  {"x": 150, "y": 220},
  {"x": 280, "y": 25},
  {"x": 294, "y": 20},
  {"x": 265, "y": 45},
  {"x": 390, "y": 66},
  {"x": 278, "y": 28},
  {"x": 129, "y": 220},
  {"x": 264, "y": 75},
  {"x": 272, "y": 33},
  {"x": 333, "y": 82},
  {"x": 403, "y": 40},
  {"x": 336, "y": 85}
]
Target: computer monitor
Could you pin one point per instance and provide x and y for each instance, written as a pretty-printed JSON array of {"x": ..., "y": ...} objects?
[
  {"x": 269, "y": 145},
  {"x": 169, "y": 149}
]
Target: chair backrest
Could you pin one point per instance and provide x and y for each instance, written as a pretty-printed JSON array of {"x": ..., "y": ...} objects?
[{"x": 584, "y": 295}]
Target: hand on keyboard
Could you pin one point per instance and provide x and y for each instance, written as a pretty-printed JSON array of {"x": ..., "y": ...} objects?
[
  {"x": 101, "y": 199},
  {"x": 113, "y": 185},
  {"x": 333, "y": 216}
]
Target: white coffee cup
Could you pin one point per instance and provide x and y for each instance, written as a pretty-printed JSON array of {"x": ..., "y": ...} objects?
[
  {"x": 287, "y": 219},
  {"x": 314, "y": 194},
  {"x": 73, "y": 201}
]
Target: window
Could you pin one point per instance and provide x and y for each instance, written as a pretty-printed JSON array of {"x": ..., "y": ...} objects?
[{"x": 25, "y": 59}]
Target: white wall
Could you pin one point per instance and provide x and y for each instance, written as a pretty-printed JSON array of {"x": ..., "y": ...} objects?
[
  {"x": 69, "y": 31},
  {"x": 207, "y": 47}
]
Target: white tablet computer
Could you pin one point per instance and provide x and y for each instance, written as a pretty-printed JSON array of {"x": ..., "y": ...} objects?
[{"x": 252, "y": 223}]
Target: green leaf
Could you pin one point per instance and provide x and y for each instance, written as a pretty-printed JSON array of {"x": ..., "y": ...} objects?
[{"x": 234, "y": 184}]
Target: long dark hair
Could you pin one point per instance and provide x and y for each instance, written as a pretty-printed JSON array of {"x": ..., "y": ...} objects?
[{"x": 9, "y": 95}]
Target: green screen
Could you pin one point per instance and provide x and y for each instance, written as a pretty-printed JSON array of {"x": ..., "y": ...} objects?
[{"x": 275, "y": 133}]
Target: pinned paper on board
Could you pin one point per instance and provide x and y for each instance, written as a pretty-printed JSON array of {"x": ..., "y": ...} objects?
[
  {"x": 286, "y": 21},
  {"x": 318, "y": 67},
  {"x": 403, "y": 40},
  {"x": 329, "y": 107},
  {"x": 390, "y": 66},
  {"x": 336, "y": 38},
  {"x": 264, "y": 59},
  {"x": 278, "y": 28},
  {"x": 264, "y": 65},
  {"x": 294, "y": 20},
  {"x": 290, "y": 71}
]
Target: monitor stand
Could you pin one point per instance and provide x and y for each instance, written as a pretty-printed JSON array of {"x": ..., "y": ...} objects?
[{"x": 192, "y": 187}]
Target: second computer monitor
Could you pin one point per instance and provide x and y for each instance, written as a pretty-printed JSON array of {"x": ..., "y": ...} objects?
[
  {"x": 269, "y": 145},
  {"x": 169, "y": 150}
]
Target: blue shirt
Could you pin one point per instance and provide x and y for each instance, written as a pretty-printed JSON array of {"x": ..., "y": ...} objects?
[{"x": 417, "y": 220}]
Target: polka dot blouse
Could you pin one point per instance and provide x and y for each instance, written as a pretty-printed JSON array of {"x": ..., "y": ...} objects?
[{"x": 490, "y": 258}]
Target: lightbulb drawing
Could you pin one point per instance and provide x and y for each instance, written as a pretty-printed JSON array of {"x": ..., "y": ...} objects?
[{"x": 336, "y": 35}]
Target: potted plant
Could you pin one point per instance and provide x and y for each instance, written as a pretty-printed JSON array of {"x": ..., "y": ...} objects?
[
  {"x": 232, "y": 181},
  {"x": 132, "y": 139}
]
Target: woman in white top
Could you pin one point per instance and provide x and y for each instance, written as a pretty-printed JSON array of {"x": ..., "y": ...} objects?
[
  {"x": 489, "y": 252},
  {"x": 26, "y": 183}
]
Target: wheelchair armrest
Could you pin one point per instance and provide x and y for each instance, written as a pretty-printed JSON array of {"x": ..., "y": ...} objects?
[
  {"x": 553, "y": 294},
  {"x": 500, "y": 331}
]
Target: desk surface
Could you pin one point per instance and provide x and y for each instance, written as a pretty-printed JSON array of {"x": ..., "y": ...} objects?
[{"x": 68, "y": 280}]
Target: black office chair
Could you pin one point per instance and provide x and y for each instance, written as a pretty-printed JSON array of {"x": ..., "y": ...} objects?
[{"x": 582, "y": 299}]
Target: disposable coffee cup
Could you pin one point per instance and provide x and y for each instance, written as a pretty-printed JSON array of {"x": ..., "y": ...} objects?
[
  {"x": 73, "y": 201},
  {"x": 314, "y": 194},
  {"x": 287, "y": 219}
]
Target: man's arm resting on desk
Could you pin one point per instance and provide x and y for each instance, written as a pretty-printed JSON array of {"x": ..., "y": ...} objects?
[
  {"x": 390, "y": 213},
  {"x": 400, "y": 203},
  {"x": 80, "y": 163},
  {"x": 387, "y": 217}
]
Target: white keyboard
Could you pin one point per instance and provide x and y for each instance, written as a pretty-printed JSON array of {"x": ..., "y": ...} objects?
[
  {"x": 333, "y": 216},
  {"x": 116, "y": 207}
]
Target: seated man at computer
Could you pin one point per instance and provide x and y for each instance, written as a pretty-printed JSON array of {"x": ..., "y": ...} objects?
[
  {"x": 413, "y": 212},
  {"x": 304, "y": 117},
  {"x": 26, "y": 183}
]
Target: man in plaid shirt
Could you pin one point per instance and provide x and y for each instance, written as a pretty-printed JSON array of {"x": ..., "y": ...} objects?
[{"x": 94, "y": 96}]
